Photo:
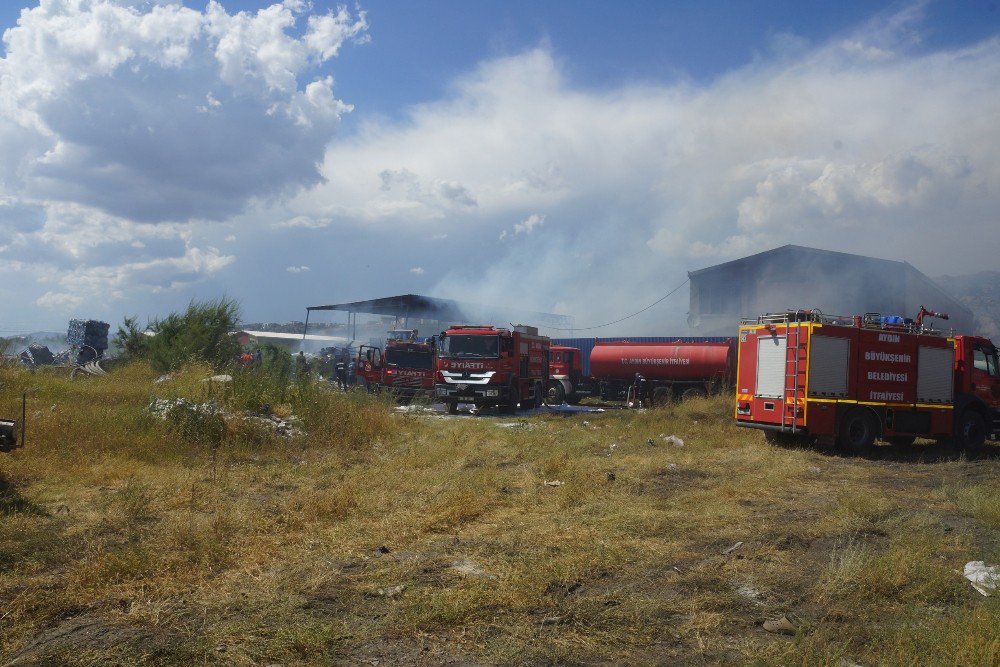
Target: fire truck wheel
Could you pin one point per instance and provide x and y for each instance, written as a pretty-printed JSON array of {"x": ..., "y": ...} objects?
[
  {"x": 858, "y": 430},
  {"x": 557, "y": 394},
  {"x": 970, "y": 431},
  {"x": 513, "y": 398},
  {"x": 452, "y": 407}
]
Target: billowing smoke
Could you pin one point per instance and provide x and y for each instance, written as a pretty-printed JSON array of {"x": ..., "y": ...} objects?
[{"x": 862, "y": 145}]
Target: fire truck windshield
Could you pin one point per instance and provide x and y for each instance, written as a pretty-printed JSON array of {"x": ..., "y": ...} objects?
[
  {"x": 409, "y": 358},
  {"x": 485, "y": 347}
]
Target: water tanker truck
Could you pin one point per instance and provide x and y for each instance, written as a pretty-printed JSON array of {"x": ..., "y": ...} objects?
[{"x": 637, "y": 372}]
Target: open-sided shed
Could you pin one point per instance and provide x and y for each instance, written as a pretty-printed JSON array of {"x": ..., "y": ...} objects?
[{"x": 441, "y": 312}]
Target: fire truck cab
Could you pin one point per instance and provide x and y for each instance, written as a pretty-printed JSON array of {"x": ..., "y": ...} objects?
[
  {"x": 977, "y": 388},
  {"x": 406, "y": 369},
  {"x": 487, "y": 366},
  {"x": 566, "y": 379},
  {"x": 804, "y": 376}
]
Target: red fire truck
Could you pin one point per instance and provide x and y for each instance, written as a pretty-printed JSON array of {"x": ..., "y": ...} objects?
[
  {"x": 670, "y": 370},
  {"x": 406, "y": 369},
  {"x": 488, "y": 366},
  {"x": 804, "y": 376}
]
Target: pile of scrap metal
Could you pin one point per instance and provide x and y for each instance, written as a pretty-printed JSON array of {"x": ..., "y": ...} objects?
[
  {"x": 89, "y": 338},
  {"x": 37, "y": 354},
  {"x": 89, "y": 368}
]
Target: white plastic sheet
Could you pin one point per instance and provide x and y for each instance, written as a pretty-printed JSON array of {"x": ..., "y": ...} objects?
[{"x": 985, "y": 578}]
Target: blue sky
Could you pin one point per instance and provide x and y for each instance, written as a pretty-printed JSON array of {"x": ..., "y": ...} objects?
[
  {"x": 576, "y": 157},
  {"x": 417, "y": 48}
]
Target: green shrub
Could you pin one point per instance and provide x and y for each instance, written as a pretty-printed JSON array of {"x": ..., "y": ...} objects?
[{"x": 201, "y": 333}]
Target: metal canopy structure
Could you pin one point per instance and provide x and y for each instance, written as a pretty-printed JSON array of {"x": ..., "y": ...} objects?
[{"x": 423, "y": 307}]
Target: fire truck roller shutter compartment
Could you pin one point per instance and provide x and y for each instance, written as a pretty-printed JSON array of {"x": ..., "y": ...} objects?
[
  {"x": 828, "y": 361},
  {"x": 771, "y": 362},
  {"x": 935, "y": 374}
]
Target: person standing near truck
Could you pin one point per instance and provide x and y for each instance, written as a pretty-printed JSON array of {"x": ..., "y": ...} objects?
[
  {"x": 341, "y": 370},
  {"x": 640, "y": 390},
  {"x": 301, "y": 366}
]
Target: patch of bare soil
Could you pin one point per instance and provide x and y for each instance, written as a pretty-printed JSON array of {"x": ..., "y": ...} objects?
[{"x": 89, "y": 630}]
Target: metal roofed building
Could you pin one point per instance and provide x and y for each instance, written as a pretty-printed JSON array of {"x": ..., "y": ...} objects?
[
  {"x": 437, "y": 313},
  {"x": 794, "y": 277}
]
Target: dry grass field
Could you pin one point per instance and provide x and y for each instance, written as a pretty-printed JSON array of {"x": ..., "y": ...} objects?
[{"x": 381, "y": 538}]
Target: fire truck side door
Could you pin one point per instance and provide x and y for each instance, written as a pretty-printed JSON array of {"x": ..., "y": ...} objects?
[
  {"x": 369, "y": 357},
  {"x": 985, "y": 373}
]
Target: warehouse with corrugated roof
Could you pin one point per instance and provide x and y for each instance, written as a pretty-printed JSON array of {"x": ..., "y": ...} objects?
[{"x": 797, "y": 277}]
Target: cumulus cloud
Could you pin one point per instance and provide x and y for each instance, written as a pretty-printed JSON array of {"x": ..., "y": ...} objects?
[
  {"x": 417, "y": 270},
  {"x": 297, "y": 269},
  {"x": 529, "y": 223},
  {"x": 868, "y": 143},
  {"x": 166, "y": 113},
  {"x": 60, "y": 301},
  {"x": 305, "y": 221},
  {"x": 94, "y": 285},
  {"x": 127, "y": 126}
]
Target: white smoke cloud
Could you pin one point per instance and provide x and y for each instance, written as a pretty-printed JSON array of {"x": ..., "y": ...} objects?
[
  {"x": 417, "y": 270},
  {"x": 865, "y": 144},
  {"x": 297, "y": 269}
]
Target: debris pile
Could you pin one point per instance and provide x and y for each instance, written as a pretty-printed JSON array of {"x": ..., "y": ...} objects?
[
  {"x": 37, "y": 355},
  {"x": 91, "y": 333},
  {"x": 288, "y": 427},
  {"x": 89, "y": 368},
  {"x": 162, "y": 407}
]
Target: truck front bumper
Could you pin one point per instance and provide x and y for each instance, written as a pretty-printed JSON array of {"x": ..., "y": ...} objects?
[{"x": 472, "y": 393}]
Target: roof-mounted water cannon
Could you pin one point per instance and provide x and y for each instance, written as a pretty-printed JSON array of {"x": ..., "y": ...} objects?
[{"x": 919, "y": 321}]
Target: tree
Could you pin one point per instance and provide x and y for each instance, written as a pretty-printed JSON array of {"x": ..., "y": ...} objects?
[
  {"x": 131, "y": 340},
  {"x": 201, "y": 333}
]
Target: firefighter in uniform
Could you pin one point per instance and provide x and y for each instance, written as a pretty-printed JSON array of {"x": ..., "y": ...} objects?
[
  {"x": 640, "y": 390},
  {"x": 341, "y": 369}
]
